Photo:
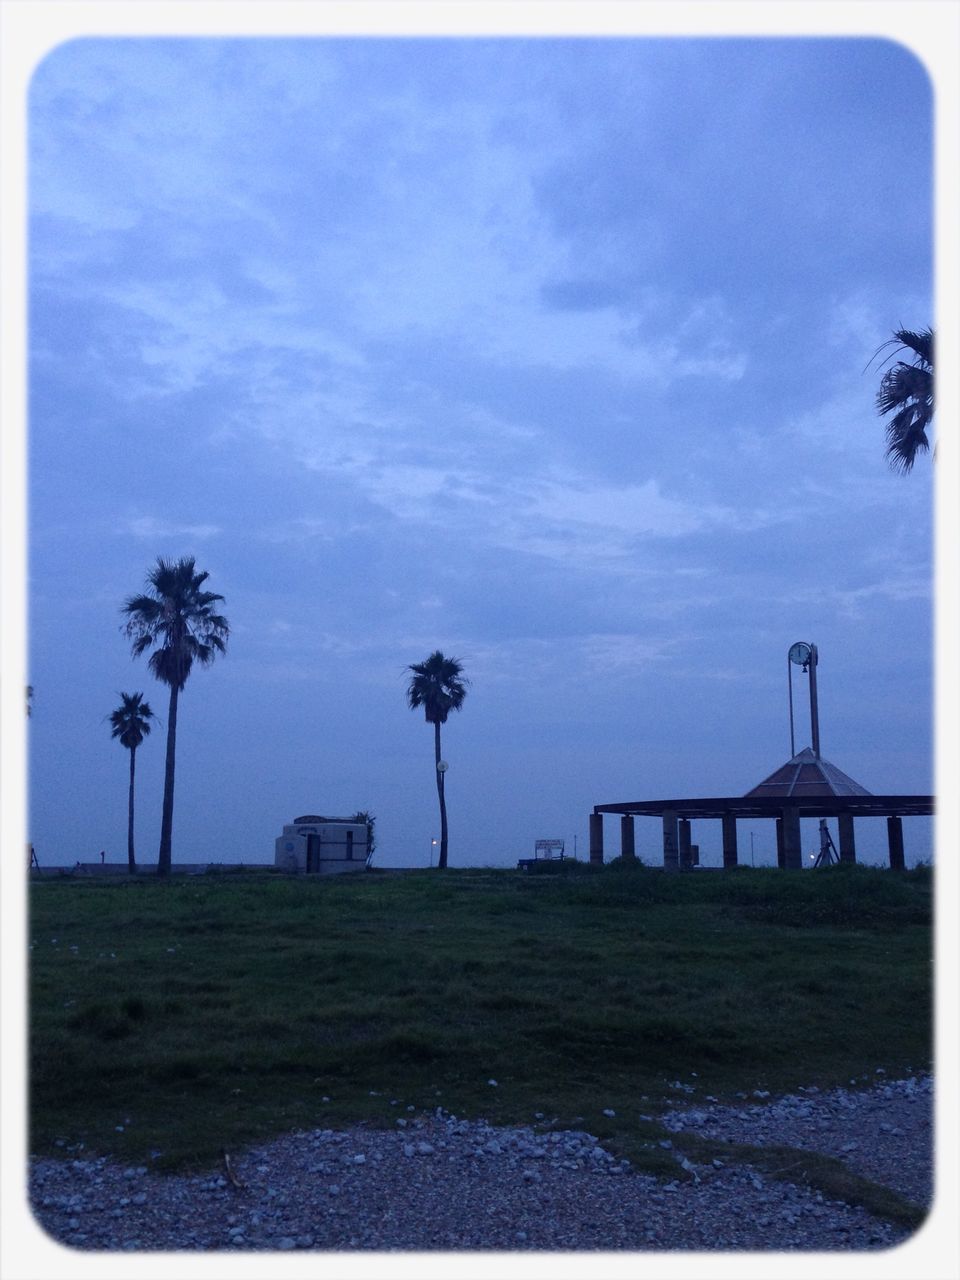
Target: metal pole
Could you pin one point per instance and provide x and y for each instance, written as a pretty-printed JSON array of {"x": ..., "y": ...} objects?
[
  {"x": 790, "y": 689},
  {"x": 814, "y": 716}
]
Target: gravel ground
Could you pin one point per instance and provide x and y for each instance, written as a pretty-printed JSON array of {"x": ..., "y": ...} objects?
[{"x": 439, "y": 1183}]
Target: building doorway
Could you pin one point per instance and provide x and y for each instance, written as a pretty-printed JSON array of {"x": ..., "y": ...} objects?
[{"x": 313, "y": 853}]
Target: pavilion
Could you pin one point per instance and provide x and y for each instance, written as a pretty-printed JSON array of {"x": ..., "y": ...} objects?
[{"x": 807, "y": 786}]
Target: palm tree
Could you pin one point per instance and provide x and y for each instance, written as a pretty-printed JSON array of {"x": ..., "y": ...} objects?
[
  {"x": 438, "y": 685},
  {"x": 177, "y": 617},
  {"x": 906, "y": 391},
  {"x": 131, "y": 724},
  {"x": 368, "y": 820}
]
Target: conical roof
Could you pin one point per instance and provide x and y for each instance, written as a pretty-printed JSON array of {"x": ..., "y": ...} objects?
[{"x": 808, "y": 775}]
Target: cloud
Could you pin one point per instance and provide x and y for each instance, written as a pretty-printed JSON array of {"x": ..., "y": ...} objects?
[
  {"x": 306, "y": 529},
  {"x": 633, "y": 510},
  {"x": 582, "y": 295},
  {"x": 518, "y": 666},
  {"x": 858, "y": 602},
  {"x": 152, "y": 527}
]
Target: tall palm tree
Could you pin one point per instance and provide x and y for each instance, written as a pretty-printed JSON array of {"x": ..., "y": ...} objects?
[
  {"x": 906, "y": 391},
  {"x": 439, "y": 686},
  {"x": 131, "y": 724},
  {"x": 176, "y": 616}
]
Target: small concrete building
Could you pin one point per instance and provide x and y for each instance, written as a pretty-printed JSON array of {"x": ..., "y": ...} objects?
[{"x": 325, "y": 846}]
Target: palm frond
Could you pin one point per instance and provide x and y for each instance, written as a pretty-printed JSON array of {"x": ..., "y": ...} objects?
[
  {"x": 907, "y": 392},
  {"x": 130, "y": 722},
  {"x": 142, "y": 611},
  {"x": 176, "y": 621},
  {"x": 906, "y": 437},
  {"x": 920, "y": 343},
  {"x": 903, "y": 383},
  {"x": 438, "y": 686}
]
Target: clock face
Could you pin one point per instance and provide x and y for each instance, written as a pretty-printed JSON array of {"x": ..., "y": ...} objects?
[{"x": 799, "y": 653}]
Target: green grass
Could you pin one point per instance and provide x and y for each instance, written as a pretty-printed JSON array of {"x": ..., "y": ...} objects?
[{"x": 203, "y": 1013}]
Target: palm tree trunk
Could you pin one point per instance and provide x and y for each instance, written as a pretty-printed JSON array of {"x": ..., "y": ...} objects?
[
  {"x": 166, "y": 825},
  {"x": 443, "y": 804},
  {"x": 131, "y": 859}
]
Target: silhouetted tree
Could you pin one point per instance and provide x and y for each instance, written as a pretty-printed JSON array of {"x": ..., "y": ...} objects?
[
  {"x": 130, "y": 722},
  {"x": 176, "y": 618},
  {"x": 369, "y": 821},
  {"x": 906, "y": 391},
  {"x": 438, "y": 685}
]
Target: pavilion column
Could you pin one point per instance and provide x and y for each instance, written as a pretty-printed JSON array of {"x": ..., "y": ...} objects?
[
  {"x": 895, "y": 842},
  {"x": 683, "y": 844},
  {"x": 729, "y": 821},
  {"x": 596, "y": 838},
  {"x": 628, "y": 849},
  {"x": 792, "y": 855},
  {"x": 848, "y": 851},
  {"x": 780, "y": 858},
  {"x": 670, "y": 841}
]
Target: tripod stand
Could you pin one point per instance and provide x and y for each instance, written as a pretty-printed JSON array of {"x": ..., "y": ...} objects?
[{"x": 828, "y": 850}]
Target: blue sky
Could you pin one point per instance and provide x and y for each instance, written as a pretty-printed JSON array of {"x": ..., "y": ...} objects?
[{"x": 548, "y": 353}]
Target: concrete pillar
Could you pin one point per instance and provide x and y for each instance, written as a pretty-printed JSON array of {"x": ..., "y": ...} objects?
[
  {"x": 683, "y": 844},
  {"x": 671, "y": 861},
  {"x": 895, "y": 842},
  {"x": 694, "y": 855},
  {"x": 848, "y": 851},
  {"x": 596, "y": 838},
  {"x": 792, "y": 853},
  {"x": 729, "y": 821},
  {"x": 780, "y": 861},
  {"x": 628, "y": 848}
]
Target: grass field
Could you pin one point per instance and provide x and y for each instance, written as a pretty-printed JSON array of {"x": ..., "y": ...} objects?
[{"x": 172, "y": 1019}]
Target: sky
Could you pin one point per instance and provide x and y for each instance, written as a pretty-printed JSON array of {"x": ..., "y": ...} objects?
[{"x": 552, "y": 354}]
